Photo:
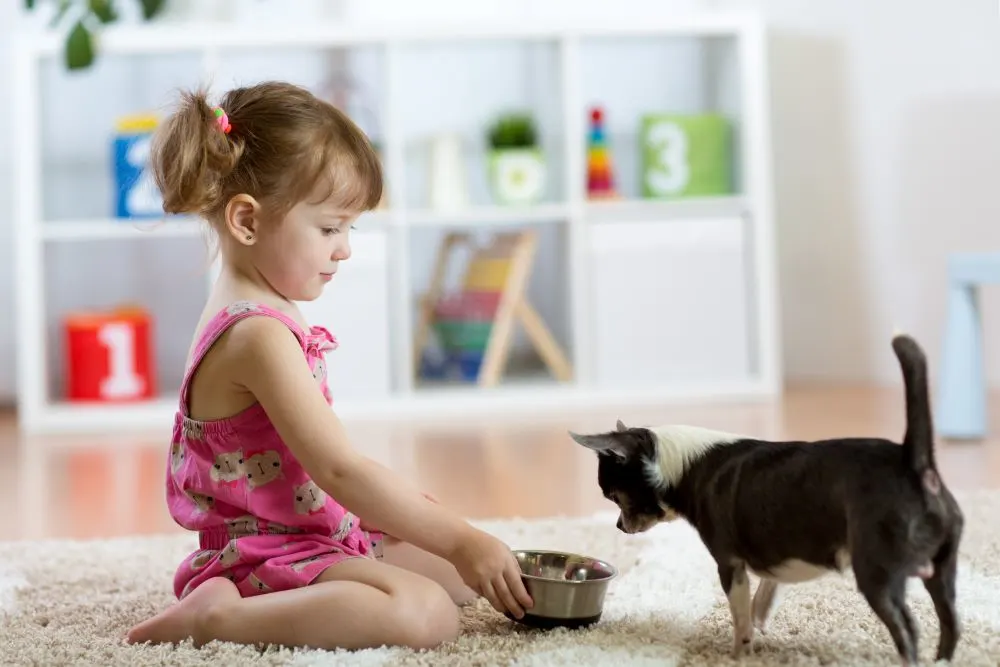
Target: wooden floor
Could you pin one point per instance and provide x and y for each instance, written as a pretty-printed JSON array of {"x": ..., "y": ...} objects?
[{"x": 98, "y": 486}]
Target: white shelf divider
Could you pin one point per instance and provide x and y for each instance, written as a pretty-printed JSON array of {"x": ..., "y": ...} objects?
[
  {"x": 98, "y": 230},
  {"x": 491, "y": 216},
  {"x": 758, "y": 156},
  {"x": 165, "y": 38},
  {"x": 581, "y": 340},
  {"x": 400, "y": 289},
  {"x": 631, "y": 210}
]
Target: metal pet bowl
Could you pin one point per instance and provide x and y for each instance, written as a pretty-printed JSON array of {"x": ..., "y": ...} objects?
[{"x": 567, "y": 589}]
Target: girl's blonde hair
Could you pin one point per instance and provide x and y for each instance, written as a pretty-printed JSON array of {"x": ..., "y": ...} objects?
[{"x": 283, "y": 144}]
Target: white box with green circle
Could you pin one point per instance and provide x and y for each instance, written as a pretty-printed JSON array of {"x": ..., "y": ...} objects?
[{"x": 684, "y": 155}]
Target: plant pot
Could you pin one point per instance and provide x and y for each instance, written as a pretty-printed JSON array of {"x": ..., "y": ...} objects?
[{"x": 517, "y": 175}]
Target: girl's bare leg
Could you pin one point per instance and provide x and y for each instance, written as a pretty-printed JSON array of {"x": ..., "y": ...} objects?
[
  {"x": 412, "y": 558},
  {"x": 359, "y": 603}
]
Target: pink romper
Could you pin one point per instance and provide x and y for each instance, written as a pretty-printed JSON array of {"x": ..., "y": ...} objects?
[{"x": 261, "y": 521}]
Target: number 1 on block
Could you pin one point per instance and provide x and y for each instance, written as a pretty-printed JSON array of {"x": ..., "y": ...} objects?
[{"x": 122, "y": 380}]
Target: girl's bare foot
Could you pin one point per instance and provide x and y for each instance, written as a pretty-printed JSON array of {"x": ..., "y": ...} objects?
[{"x": 186, "y": 618}]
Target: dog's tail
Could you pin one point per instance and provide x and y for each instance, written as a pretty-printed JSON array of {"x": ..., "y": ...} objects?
[{"x": 918, "y": 443}]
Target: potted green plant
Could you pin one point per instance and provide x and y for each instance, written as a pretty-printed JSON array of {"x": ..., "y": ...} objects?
[
  {"x": 85, "y": 18},
  {"x": 516, "y": 161}
]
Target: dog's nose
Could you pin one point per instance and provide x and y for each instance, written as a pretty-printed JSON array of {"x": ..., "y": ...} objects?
[{"x": 620, "y": 525}]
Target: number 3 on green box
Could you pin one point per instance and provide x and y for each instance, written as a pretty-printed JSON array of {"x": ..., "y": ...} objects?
[
  {"x": 684, "y": 155},
  {"x": 667, "y": 171}
]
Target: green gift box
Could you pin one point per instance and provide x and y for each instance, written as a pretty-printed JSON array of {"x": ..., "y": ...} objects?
[{"x": 684, "y": 155}]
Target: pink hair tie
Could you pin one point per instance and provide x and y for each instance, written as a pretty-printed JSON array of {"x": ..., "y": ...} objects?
[{"x": 223, "y": 120}]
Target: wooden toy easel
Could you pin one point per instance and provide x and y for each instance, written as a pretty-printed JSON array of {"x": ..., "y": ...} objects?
[{"x": 510, "y": 255}]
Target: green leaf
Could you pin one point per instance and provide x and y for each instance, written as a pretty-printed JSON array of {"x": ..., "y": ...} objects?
[
  {"x": 79, "y": 47},
  {"x": 150, "y": 8},
  {"x": 103, "y": 10},
  {"x": 513, "y": 130}
]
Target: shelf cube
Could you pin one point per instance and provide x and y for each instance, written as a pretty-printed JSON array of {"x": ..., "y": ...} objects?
[{"x": 110, "y": 356}]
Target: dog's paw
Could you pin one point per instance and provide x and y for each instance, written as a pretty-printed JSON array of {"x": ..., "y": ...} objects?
[
  {"x": 743, "y": 644},
  {"x": 742, "y": 649},
  {"x": 760, "y": 623}
]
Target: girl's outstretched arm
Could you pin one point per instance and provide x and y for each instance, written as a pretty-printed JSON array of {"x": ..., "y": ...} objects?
[{"x": 270, "y": 365}]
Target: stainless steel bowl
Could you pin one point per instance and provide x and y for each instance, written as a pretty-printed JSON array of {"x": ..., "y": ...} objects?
[{"x": 568, "y": 589}]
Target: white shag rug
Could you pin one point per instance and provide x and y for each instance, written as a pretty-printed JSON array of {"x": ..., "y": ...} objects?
[{"x": 70, "y": 603}]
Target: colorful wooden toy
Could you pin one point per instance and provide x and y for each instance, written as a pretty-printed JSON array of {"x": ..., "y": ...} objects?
[
  {"x": 600, "y": 176},
  {"x": 109, "y": 355},
  {"x": 475, "y": 326},
  {"x": 685, "y": 155}
]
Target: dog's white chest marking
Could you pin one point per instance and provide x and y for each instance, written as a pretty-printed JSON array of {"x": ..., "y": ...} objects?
[{"x": 794, "y": 571}]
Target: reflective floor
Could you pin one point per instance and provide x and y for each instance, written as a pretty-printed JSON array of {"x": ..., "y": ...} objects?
[{"x": 100, "y": 486}]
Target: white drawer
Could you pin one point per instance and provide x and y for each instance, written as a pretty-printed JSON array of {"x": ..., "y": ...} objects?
[{"x": 670, "y": 302}]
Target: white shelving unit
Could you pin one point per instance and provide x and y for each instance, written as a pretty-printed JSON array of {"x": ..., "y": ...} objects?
[{"x": 664, "y": 300}]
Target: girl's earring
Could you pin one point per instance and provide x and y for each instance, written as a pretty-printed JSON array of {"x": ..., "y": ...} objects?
[{"x": 249, "y": 237}]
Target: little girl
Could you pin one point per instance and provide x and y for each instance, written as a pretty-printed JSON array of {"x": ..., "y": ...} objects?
[{"x": 289, "y": 516}]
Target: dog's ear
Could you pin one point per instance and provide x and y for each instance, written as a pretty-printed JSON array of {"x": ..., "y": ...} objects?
[
  {"x": 621, "y": 425},
  {"x": 611, "y": 443}
]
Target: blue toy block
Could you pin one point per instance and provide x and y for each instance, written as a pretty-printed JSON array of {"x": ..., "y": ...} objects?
[
  {"x": 136, "y": 194},
  {"x": 962, "y": 388}
]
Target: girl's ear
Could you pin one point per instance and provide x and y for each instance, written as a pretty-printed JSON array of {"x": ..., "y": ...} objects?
[{"x": 242, "y": 220}]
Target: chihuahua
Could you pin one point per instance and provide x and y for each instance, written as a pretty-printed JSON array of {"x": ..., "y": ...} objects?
[{"x": 792, "y": 511}]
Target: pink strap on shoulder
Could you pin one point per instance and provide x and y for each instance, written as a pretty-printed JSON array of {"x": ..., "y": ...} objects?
[{"x": 218, "y": 325}]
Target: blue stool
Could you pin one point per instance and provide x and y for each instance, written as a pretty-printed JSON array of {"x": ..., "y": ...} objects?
[{"x": 962, "y": 397}]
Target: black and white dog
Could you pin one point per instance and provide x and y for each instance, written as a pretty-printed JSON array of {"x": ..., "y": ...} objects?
[{"x": 792, "y": 511}]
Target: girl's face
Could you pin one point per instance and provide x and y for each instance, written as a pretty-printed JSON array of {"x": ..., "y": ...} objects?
[{"x": 300, "y": 255}]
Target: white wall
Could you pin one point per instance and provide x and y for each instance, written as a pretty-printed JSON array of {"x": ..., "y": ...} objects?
[
  {"x": 885, "y": 149},
  {"x": 8, "y": 374}
]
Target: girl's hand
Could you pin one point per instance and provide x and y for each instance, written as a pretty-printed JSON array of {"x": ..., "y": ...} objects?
[{"x": 488, "y": 567}]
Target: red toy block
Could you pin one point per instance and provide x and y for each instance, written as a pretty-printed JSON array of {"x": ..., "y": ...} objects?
[{"x": 110, "y": 356}]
